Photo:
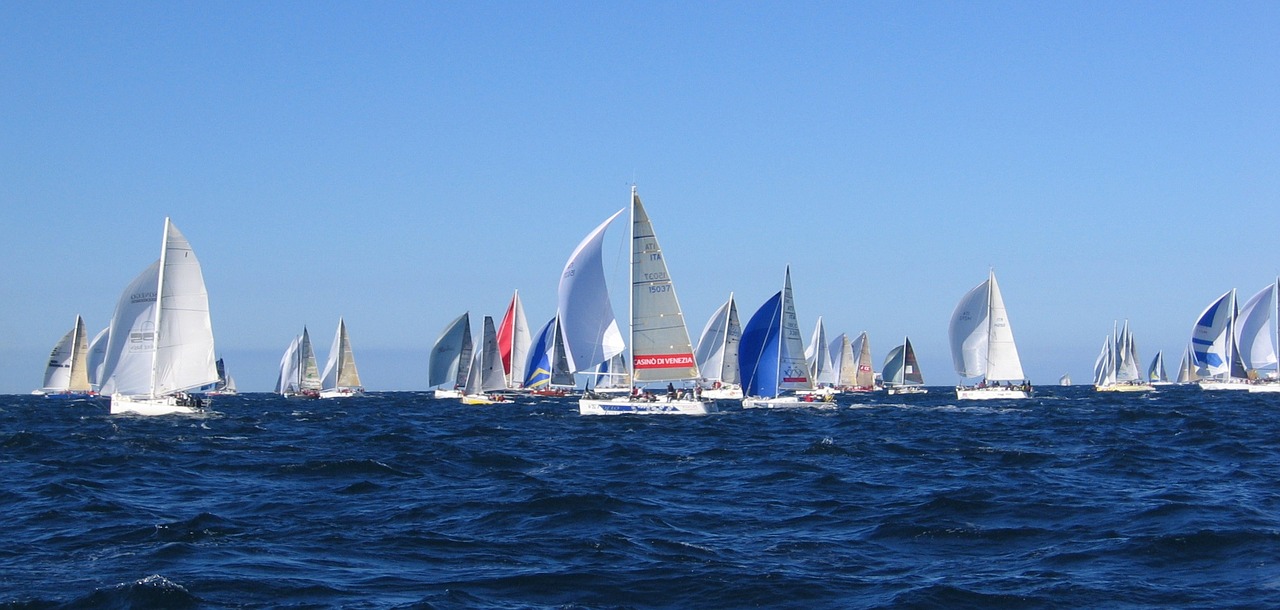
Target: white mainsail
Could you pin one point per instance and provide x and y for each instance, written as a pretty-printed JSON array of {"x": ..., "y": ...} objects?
[
  {"x": 717, "y": 353},
  {"x": 449, "y": 363},
  {"x": 587, "y": 324},
  {"x": 340, "y": 374},
  {"x": 660, "y": 345},
  {"x": 818, "y": 356},
  {"x": 845, "y": 364},
  {"x": 793, "y": 370},
  {"x": 131, "y": 342},
  {"x": 1254, "y": 338}
]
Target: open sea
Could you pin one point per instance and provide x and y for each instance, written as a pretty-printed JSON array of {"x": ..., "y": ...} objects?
[{"x": 397, "y": 500}]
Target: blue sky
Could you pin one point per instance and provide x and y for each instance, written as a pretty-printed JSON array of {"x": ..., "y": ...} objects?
[{"x": 399, "y": 163}]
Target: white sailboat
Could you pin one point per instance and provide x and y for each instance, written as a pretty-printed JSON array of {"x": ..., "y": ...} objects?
[
  {"x": 821, "y": 368},
  {"x": 1065, "y": 379},
  {"x": 161, "y": 340},
  {"x": 451, "y": 358},
  {"x": 844, "y": 363},
  {"x": 485, "y": 377},
  {"x": 1213, "y": 344},
  {"x": 1156, "y": 374},
  {"x": 901, "y": 371},
  {"x": 299, "y": 375},
  {"x": 513, "y": 343},
  {"x": 225, "y": 385},
  {"x": 67, "y": 373},
  {"x": 717, "y": 354},
  {"x": 660, "y": 345},
  {"x": 771, "y": 356},
  {"x": 1258, "y": 335},
  {"x": 1187, "y": 372},
  {"x": 1116, "y": 369},
  {"x": 341, "y": 379},
  {"x": 982, "y": 345}
]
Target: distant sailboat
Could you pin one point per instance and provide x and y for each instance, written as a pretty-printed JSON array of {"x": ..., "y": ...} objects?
[
  {"x": 865, "y": 375},
  {"x": 1213, "y": 343},
  {"x": 1156, "y": 372},
  {"x": 485, "y": 377},
  {"x": 225, "y": 385},
  {"x": 1065, "y": 379},
  {"x": 97, "y": 358},
  {"x": 299, "y": 375},
  {"x": 1187, "y": 372},
  {"x": 451, "y": 358},
  {"x": 67, "y": 372},
  {"x": 660, "y": 345},
  {"x": 161, "y": 340},
  {"x": 1116, "y": 369},
  {"x": 341, "y": 379},
  {"x": 771, "y": 355},
  {"x": 821, "y": 368},
  {"x": 901, "y": 371},
  {"x": 844, "y": 363},
  {"x": 548, "y": 372},
  {"x": 717, "y": 353},
  {"x": 513, "y": 343},
  {"x": 982, "y": 345}
]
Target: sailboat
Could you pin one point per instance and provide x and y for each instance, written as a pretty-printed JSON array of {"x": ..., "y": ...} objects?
[
  {"x": 865, "y": 376},
  {"x": 451, "y": 358},
  {"x": 901, "y": 371},
  {"x": 717, "y": 353},
  {"x": 548, "y": 372},
  {"x": 340, "y": 379},
  {"x": 1213, "y": 343},
  {"x": 97, "y": 358},
  {"x": 844, "y": 363},
  {"x": 1065, "y": 379},
  {"x": 660, "y": 345},
  {"x": 161, "y": 341},
  {"x": 818, "y": 357},
  {"x": 67, "y": 374},
  {"x": 225, "y": 385},
  {"x": 513, "y": 343},
  {"x": 982, "y": 345},
  {"x": 771, "y": 355},
  {"x": 1187, "y": 372},
  {"x": 1116, "y": 369},
  {"x": 485, "y": 376},
  {"x": 1156, "y": 373},
  {"x": 1258, "y": 345},
  {"x": 299, "y": 375}
]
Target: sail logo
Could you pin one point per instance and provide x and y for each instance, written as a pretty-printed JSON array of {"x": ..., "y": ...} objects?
[
  {"x": 794, "y": 375},
  {"x": 142, "y": 297},
  {"x": 662, "y": 361}
]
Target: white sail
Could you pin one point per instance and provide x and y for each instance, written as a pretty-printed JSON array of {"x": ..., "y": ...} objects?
[
  {"x": 131, "y": 342},
  {"x": 660, "y": 345},
  {"x": 97, "y": 357},
  {"x": 587, "y": 324},
  {"x": 66, "y": 368},
  {"x": 1254, "y": 338},
  {"x": 1126, "y": 357},
  {"x": 184, "y": 357},
  {"x": 310, "y": 371},
  {"x": 846, "y": 365},
  {"x": 717, "y": 353},
  {"x": 968, "y": 332},
  {"x": 492, "y": 377},
  {"x": 290, "y": 369},
  {"x": 447, "y": 359},
  {"x": 1104, "y": 368},
  {"x": 793, "y": 370},
  {"x": 1003, "y": 363},
  {"x": 818, "y": 356},
  {"x": 340, "y": 371}
]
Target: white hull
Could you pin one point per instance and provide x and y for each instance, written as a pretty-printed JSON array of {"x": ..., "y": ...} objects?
[
  {"x": 991, "y": 393},
  {"x": 897, "y": 390},
  {"x": 441, "y": 393},
  {"x": 723, "y": 393},
  {"x": 784, "y": 402},
  {"x": 818, "y": 392},
  {"x": 1124, "y": 387},
  {"x": 1225, "y": 385},
  {"x": 626, "y": 406},
  {"x": 1265, "y": 387},
  {"x": 146, "y": 405},
  {"x": 342, "y": 392}
]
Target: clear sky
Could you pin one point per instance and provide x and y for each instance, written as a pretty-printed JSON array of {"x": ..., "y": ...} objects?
[{"x": 398, "y": 163}]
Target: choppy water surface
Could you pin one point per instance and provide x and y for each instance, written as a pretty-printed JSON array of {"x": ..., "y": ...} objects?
[{"x": 397, "y": 500}]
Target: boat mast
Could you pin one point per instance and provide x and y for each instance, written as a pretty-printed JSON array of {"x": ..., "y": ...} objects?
[
  {"x": 155, "y": 339},
  {"x": 631, "y": 290}
]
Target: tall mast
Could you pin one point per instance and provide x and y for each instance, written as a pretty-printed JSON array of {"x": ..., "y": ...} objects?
[
  {"x": 155, "y": 339},
  {"x": 631, "y": 290}
]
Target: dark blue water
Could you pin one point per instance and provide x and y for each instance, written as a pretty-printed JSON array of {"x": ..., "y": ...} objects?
[{"x": 1068, "y": 500}]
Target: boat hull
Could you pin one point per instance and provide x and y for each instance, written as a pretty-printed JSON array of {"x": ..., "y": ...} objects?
[
  {"x": 786, "y": 402},
  {"x": 481, "y": 399},
  {"x": 441, "y": 393},
  {"x": 1124, "y": 387},
  {"x": 1264, "y": 387},
  {"x": 342, "y": 392},
  {"x": 160, "y": 405},
  {"x": 905, "y": 389},
  {"x": 627, "y": 406},
  {"x": 1225, "y": 385},
  {"x": 728, "y": 392},
  {"x": 991, "y": 393}
]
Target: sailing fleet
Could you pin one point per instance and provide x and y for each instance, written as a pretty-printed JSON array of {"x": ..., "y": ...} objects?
[{"x": 157, "y": 355}]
